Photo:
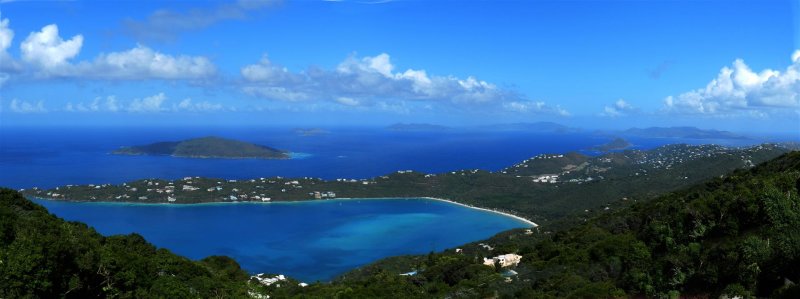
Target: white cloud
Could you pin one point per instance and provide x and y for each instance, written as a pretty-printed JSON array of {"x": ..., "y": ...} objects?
[
  {"x": 48, "y": 50},
  {"x": 6, "y": 35},
  {"x": 368, "y": 81},
  {"x": 738, "y": 90},
  {"x": 110, "y": 104},
  {"x": 7, "y": 63},
  {"x": 266, "y": 72},
  {"x": 18, "y": 106},
  {"x": 148, "y": 104},
  {"x": 154, "y": 103},
  {"x": 204, "y": 106},
  {"x": 276, "y": 93},
  {"x": 620, "y": 108},
  {"x": 144, "y": 63},
  {"x": 534, "y": 107},
  {"x": 48, "y": 55}
]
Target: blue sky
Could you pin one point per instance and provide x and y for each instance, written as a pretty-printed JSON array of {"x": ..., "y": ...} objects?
[{"x": 598, "y": 64}]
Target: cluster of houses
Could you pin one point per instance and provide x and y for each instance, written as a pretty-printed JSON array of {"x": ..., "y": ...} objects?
[
  {"x": 504, "y": 260},
  {"x": 270, "y": 280},
  {"x": 546, "y": 178},
  {"x": 321, "y": 195}
]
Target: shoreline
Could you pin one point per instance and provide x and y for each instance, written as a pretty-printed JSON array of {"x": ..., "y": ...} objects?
[{"x": 519, "y": 218}]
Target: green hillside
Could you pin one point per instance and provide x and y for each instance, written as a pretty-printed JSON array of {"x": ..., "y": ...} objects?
[
  {"x": 735, "y": 236},
  {"x": 206, "y": 147}
]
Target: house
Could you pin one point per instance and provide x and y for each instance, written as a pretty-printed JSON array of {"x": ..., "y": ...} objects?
[
  {"x": 266, "y": 280},
  {"x": 505, "y": 260}
]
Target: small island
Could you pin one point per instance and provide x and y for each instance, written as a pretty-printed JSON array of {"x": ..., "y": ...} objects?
[
  {"x": 206, "y": 147},
  {"x": 613, "y": 145}
]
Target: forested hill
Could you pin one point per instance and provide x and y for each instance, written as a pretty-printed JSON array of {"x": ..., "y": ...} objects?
[
  {"x": 206, "y": 147},
  {"x": 42, "y": 256},
  {"x": 734, "y": 236}
]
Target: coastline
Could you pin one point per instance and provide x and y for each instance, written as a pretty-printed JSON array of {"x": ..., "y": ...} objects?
[
  {"x": 519, "y": 218},
  {"x": 531, "y": 223}
]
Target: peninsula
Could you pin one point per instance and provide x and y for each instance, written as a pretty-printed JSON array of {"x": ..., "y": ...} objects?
[
  {"x": 206, "y": 147},
  {"x": 613, "y": 145},
  {"x": 542, "y": 188}
]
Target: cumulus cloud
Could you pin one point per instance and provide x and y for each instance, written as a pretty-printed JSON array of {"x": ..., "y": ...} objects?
[
  {"x": 109, "y": 104},
  {"x": 7, "y": 63},
  {"x": 619, "y": 108},
  {"x": 204, "y": 106},
  {"x": 19, "y": 106},
  {"x": 48, "y": 50},
  {"x": 47, "y": 55},
  {"x": 144, "y": 63},
  {"x": 531, "y": 106},
  {"x": 372, "y": 80},
  {"x": 165, "y": 25},
  {"x": 738, "y": 90},
  {"x": 148, "y": 104},
  {"x": 6, "y": 35}
]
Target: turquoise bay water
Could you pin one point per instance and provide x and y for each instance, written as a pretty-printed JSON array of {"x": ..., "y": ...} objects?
[{"x": 314, "y": 240}]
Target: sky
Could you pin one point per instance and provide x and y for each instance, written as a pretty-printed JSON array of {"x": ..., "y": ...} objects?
[{"x": 731, "y": 65}]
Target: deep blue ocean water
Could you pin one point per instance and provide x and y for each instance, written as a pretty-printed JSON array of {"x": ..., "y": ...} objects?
[
  {"x": 49, "y": 157},
  {"x": 309, "y": 241}
]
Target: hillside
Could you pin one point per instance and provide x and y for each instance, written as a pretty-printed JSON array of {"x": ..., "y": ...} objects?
[
  {"x": 542, "y": 188},
  {"x": 734, "y": 236},
  {"x": 42, "y": 256},
  {"x": 731, "y": 236},
  {"x": 206, "y": 147}
]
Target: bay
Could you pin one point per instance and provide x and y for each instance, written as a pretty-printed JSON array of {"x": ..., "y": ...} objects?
[{"x": 310, "y": 241}]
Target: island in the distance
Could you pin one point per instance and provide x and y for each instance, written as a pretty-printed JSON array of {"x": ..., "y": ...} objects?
[
  {"x": 205, "y": 147},
  {"x": 613, "y": 145}
]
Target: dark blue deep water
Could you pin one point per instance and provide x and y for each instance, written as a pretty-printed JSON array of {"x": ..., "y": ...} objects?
[{"x": 307, "y": 240}]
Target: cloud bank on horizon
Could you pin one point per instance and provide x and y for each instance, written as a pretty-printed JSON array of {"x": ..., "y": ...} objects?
[
  {"x": 356, "y": 83},
  {"x": 740, "y": 90}
]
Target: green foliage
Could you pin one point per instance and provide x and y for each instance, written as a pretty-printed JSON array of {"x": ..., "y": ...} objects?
[
  {"x": 42, "y": 256},
  {"x": 206, "y": 147},
  {"x": 733, "y": 236}
]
